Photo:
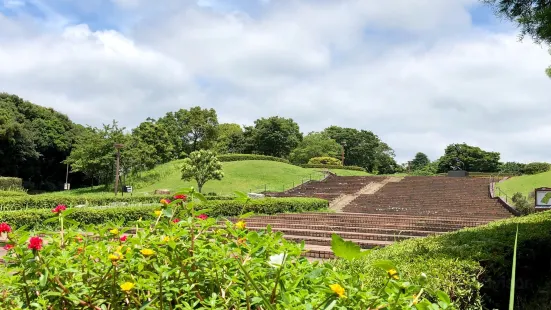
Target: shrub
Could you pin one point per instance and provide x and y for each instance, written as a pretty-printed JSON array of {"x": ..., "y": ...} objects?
[
  {"x": 190, "y": 264},
  {"x": 7, "y": 183},
  {"x": 512, "y": 168},
  {"x": 473, "y": 265},
  {"x": 334, "y": 167},
  {"x": 325, "y": 161},
  {"x": 34, "y": 218},
  {"x": 12, "y": 193},
  {"x": 534, "y": 168},
  {"x": 240, "y": 157},
  {"x": 522, "y": 204}
]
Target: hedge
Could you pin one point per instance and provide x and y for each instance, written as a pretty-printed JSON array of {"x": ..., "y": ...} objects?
[
  {"x": 534, "y": 168},
  {"x": 356, "y": 168},
  {"x": 12, "y": 193},
  {"x": 240, "y": 157},
  {"x": 34, "y": 218},
  {"x": 473, "y": 265},
  {"x": 7, "y": 183},
  {"x": 47, "y": 201},
  {"x": 330, "y": 161}
]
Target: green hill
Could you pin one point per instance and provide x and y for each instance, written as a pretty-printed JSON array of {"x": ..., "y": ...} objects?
[
  {"x": 246, "y": 176},
  {"x": 525, "y": 183}
]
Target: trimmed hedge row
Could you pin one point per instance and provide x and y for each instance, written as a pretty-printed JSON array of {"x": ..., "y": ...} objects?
[
  {"x": 4, "y": 193},
  {"x": 7, "y": 183},
  {"x": 240, "y": 157},
  {"x": 34, "y": 218},
  {"x": 473, "y": 265},
  {"x": 356, "y": 168},
  {"x": 50, "y": 201}
]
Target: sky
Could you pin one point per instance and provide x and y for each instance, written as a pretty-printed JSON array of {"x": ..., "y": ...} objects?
[{"x": 420, "y": 74}]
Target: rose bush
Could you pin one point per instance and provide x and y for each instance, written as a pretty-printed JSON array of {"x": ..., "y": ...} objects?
[{"x": 191, "y": 262}]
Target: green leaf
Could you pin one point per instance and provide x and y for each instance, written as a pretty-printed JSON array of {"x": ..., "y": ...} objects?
[
  {"x": 200, "y": 196},
  {"x": 443, "y": 297},
  {"x": 70, "y": 221},
  {"x": 346, "y": 249},
  {"x": 199, "y": 212},
  {"x": 513, "y": 275},
  {"x": 386, "y": 265},
  {"x": 51, "y": 220},
  {"x": 241, "y": 195},
  {"x": 331, "y": 305},
  {"x": 43, "y": 278}
]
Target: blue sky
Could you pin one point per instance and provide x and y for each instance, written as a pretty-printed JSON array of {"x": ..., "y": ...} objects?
[{"x": 420, "y": 74}]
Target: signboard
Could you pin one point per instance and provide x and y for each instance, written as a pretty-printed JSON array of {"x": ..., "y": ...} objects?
[
  {"x": 66, "y": 186},
  {"x": 542, "y": 196},
  {"x": 127, "y": 189}
]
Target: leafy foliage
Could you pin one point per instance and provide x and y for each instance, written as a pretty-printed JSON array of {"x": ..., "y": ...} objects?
[
  {"x": 512, "y": 168},
  {"x": 522, "y": 204},
  {"x": 420, "y": 161},
  {"x": 202, "y": 166},
  {"x": 355, "y": 168},
  {"x": 473, "y": 158},
  {"x": 315, "y": 144},
  {"x": 240, "y": 157},
  {"x": 10, "y": 183},
  {"x": 534, "y": 168},
  {"x": 230, "y": 139},
  {"x": 273, "y": 136},
  {"x": 329, "y": 161}
]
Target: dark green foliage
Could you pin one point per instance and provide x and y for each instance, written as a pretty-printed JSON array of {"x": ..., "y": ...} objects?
[
  {"x": 473, "y": 158},
  {"x": 328, "y": 161},
  {"x": 512, "y": 168},
  {"x": 240, "y": 157},
  {"x": 152, "y": 145},
  {"x": 273, "y": 136},
  {"x": 315, "y": 144},
  {"x": 420, "y": 161},
  {"x": 7, "y": 183},
  {"x": 230, "y": 139},
  {"x": 534, "y": 168},
  {"x": 356, "y": 168},
  {"x": 202, "y": 166},
  {"x": 472, "y": 265},
  {"x": 34, "y": 218},
  {"x": 522, "y": 204}
]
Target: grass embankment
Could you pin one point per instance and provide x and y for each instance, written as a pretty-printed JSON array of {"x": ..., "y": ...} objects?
[
  {"x": 525, "y": 184},
  {"x": 245, "y": 176}
]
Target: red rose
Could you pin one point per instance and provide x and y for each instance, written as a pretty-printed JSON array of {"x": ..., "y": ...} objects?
[
  {"x": 35, "y": 243},
  {"x": 175, "y": 221},
  {"x": 5, "y": 228},
  {"x": 203, "y": 217},
  {"x": 8, "y": 247},
  {"x": 123, "y": 238},
  {"x": 59, "y": 208},
  {"x": 183, "y": 197}
]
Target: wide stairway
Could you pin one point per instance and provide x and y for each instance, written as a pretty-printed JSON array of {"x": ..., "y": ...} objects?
[{"x": 378, "y": 211}]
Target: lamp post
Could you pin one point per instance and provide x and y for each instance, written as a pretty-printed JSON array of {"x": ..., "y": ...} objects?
[
  {"x": 118, "y": 147},
  {"x": 342, "y": 154}
]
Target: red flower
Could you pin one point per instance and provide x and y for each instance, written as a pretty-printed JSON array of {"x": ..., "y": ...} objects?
[
  {"x": 59, "y": 208},
  {"x": 175, "y": 221},
  {"x": 183, "y": 197},
  {"x": 123, "y": 238},
  {"x": 8, "y": 247},
  {"x": 35, "y": 243},
  {"x": 5, "y": 228},
  {"x": 203, "y": 217}
]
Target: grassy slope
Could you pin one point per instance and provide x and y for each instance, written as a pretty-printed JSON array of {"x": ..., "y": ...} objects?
[{"x": 526, "y": 183}]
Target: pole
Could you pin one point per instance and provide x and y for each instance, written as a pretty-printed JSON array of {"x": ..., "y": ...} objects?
[
  {"x": 67, "y": 176},
  {"x": 117, "y": 171}
]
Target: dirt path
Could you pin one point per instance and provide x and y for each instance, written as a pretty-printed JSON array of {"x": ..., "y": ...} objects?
[{"x": 370, "y": 189}]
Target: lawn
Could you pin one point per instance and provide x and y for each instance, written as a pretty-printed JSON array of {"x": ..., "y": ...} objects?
[{"x": 525, "y": 183}]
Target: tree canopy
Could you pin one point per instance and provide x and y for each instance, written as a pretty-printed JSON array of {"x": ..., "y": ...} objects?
[
  {"x": 420, "y": 161},
  {"x": 202, "y": 166},
  {"x": 472, "y": 158},
  {"x": 274, "y": 136},
  {"x": 315, "y": 144}
]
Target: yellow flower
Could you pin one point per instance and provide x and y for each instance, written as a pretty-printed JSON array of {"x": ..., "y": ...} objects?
[
  {"x": 114, "y": 231},
  {"x": 240, "y": 225},
  {"x": 338, "y": 289},
  {"x": 147, "y": 252},
  {"x": 415, "y": 299},
  {"x": 127, "y": 286},
  {"x": 164, "y": 201},
  {"x": 393, "y": 274},
  {"x": 166, "y": 239},
  {"x": 120, "y": 247},
  {"x": 158, "y": 213},
  {"x": 115, "y": 256}
]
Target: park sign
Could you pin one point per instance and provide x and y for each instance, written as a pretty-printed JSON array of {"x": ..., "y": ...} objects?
[{"x": 542, "y": 196}]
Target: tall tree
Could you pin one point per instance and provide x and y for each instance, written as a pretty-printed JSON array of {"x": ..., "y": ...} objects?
[
  {"x": 315, "y": 144},
  {"x": 532, "y": 16},
  {"x": 472, "y": 159},
  {"x": 420, "y": 161},
  {"x": 275, "y": 136},
  {"x": 230, "y": 139},
  {"x": 202, "y": 166},
  {"x": 154, "y": 142}
]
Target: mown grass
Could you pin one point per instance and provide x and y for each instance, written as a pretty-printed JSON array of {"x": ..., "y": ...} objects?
[{"x": 525, "y": 183}]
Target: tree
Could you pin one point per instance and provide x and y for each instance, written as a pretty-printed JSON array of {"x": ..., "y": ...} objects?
[
  {"x": 153, "y": 141},
  {"x": 230, "y": 139},
  {"x": 512, "y": 167},
  {"x": 473, "y": 159},
  {"x": 532, "y": 16},
  {"x": 275, "y": 136},
  {"x": 202, "y": 166},
  {"x": 315, "y": 144},
  {"x": 419, "y": 161}
]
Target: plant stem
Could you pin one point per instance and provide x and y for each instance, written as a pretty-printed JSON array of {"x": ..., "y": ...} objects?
[
  {"x": 272, "y": 298},
  {"x": 266, "y": 302},
  {"x": 324, "y": 302}
]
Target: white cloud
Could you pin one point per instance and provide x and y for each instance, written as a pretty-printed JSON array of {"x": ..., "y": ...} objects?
[{"x": 416, "y": 73}]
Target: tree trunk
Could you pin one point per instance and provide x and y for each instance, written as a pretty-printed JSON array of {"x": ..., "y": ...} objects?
[{"x": 200, "y": 187}]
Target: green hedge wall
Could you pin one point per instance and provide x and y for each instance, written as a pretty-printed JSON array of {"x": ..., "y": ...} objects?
[
  {"x": 34, "y": 218},
  {"x": 12, "y": 193},
  {"x": 334, "y": 167},
  {"x": 7, "y": 183},
  {"x": 240, "y": 157},
  {"x": 473, "y": 265}
]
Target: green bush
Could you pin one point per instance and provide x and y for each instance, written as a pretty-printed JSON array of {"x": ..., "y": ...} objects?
[
  {"x": 522, "y": 204},
  {"x": 355, "y": 168},
  {"x": 240, "y": 157},
  {"x": 324, "y": 161},
  {"x": 473, "y": 265},
  {"x": 12, "y": 193},
  {"x": 7, "y": 183},
  {"x": 34, "y": 218},
  {"x": 534, "y": 168}
]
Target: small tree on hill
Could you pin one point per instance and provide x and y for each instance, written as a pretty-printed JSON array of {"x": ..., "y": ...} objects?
[
  {"x": 202, "y": 166},
  {"x": 420, "y": 161}
]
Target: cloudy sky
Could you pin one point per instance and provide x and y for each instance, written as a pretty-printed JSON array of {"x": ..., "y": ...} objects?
[{"x": 421, "y": 74}]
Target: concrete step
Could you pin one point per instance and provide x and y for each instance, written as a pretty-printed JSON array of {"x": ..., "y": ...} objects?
[
  {"x": 347, "y": 228},
  {"x": 343, "y": 234},
  {"x": 364, "y": 244}
]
